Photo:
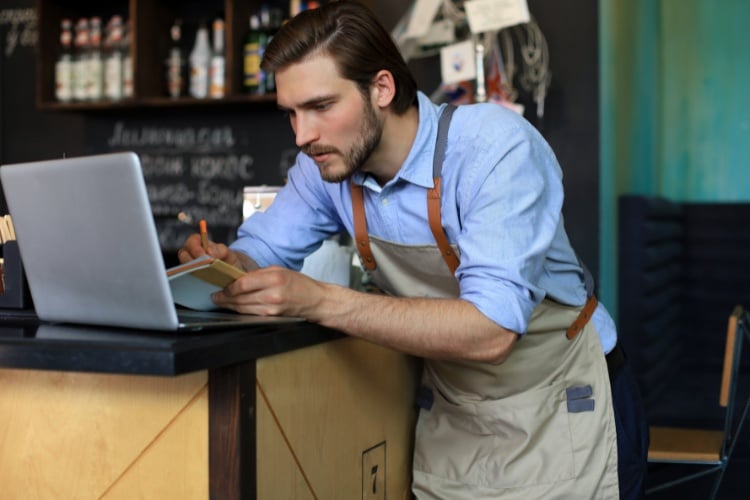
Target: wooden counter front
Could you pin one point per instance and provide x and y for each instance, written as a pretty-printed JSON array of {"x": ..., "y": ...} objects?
[
  {"x": 82, "y": 435},
  {"x": 322, "y": 408},
  {"x": 299, "y": 433}
]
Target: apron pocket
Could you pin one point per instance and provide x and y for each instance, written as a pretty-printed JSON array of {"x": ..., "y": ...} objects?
[{"x": 521, "y": 440}]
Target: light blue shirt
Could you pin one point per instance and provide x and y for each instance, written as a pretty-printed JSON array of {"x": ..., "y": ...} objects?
[{"x": 502, "y": 197}]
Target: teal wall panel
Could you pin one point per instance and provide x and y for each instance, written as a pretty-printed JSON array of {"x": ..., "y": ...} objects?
[
  {"x": 706, "y": 100},
  {"x": 675, "y": 108}
]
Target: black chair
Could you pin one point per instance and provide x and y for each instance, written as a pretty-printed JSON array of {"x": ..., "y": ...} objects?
[{"x": 708, "y": 449}]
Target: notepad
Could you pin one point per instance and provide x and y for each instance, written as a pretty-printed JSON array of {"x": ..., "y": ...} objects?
[{"x": 193, "y": 282}]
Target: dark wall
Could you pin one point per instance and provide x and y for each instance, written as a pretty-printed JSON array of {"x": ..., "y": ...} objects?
[
  {"x": 571, "y": 118},
  {"x": 254, "y": 145}
]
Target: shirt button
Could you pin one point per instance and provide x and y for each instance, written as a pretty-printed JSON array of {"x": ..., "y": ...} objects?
[{"x": 384, "y": 201}]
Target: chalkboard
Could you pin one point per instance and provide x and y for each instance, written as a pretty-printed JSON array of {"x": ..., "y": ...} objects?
[{"x": 197, "y": 164}]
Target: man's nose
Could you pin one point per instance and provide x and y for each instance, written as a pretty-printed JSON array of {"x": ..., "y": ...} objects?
[{"x": 305, "y": 131}]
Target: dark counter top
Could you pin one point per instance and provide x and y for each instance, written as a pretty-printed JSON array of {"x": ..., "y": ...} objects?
[{"x": 25, "y": 342}]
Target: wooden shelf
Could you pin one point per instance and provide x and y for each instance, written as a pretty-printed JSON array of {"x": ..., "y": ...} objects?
[
  {"x": 260, "y": 101},
  {"x": 150, "y": 21}
]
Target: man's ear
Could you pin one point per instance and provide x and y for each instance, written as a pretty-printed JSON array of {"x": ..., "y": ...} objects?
[{"x": 383, "y": 89}]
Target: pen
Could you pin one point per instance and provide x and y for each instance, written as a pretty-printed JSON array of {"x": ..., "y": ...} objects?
[{"x": 204, "y": 234}]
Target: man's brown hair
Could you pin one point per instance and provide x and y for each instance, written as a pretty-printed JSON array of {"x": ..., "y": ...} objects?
[{"x": 350, "y": 33}]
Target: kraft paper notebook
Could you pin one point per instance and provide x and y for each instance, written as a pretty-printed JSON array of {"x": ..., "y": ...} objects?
[
  {"x": 193, "y": 283},
  {"x": 89, "y": 245}
]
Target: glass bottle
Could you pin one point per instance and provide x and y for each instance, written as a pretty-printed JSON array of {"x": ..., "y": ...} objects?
[
  {"x": 64, "y": 64},
  {"x": 217, "y": 77},
  {"x": 295, "y": 7},
  {"x": 175, "y": 64},
  {"x": 200, "y": 58},
  {"x": 95, "y": 74},
  {"x": 113, "y": 59},
  {"x": 251, "y": 75},
  {"x": 80, "y": 60},
  {"x": 270, "y": 22},
  {"x": 128, "y": 85}
]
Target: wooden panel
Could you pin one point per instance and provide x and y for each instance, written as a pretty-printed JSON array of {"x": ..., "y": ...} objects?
[
  {"x": 162, "y": 471},
  {"x": 675, "y": 444},
  {"x": 275, "y": 461},
  {"x": 334, "y": 401},
  {"x": 80, "y": 435}
]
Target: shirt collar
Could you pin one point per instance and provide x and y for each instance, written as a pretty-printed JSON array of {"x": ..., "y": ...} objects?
[{"x": 417, "y": 168}]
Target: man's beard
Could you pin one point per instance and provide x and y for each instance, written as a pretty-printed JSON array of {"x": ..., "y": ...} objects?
[{"x": 369, "y": 137}]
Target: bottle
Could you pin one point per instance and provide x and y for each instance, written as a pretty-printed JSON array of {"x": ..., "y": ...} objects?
[
  {"x": 80, "y": 60},
  {"x": 270, "y": 22},
  {"x": 175, "y": 64},
  {"x": 217, "y": 77},
  {"x": 252, "y": 76},
  {"x": 64, "y": 64},
  {"x": 295, "y": 7},
  {"x": 128, "y": 89},
  {"x": 265, "y": 38},
  {"x": 200, "y": 58},
  {"x": 113, "y": 58},
  {"x": 95, "y": 74}
]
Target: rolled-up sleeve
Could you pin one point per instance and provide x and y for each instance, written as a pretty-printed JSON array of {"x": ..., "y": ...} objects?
[{"x": 509, "y": 201}]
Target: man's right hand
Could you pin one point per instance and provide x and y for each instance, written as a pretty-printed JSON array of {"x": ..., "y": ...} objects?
[{"x": 193, "y": 249}]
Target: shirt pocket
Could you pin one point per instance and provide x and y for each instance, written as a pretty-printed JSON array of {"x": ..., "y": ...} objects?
[{"x": 521, "y": 440}]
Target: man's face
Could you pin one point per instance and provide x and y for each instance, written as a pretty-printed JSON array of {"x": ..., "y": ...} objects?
[{"x": 332, "y": 121}]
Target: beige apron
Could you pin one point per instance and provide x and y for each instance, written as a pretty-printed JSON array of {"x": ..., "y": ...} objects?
[
  {"x": 504, "y": 431},
  {"x": 538, "y": 426}
]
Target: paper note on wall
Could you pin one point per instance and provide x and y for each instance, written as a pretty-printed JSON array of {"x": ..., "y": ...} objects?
[
  {"x": 458, "y": 62},
  {"x": 494, "y": 15},
  {"x": 422, "y": 14}
]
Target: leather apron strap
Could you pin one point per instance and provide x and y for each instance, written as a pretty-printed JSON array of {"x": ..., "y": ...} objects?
[
  {"x": 583, "y": 317},
  {"x": 433, "y": 195},
  {"x": 360, "y": 227}
]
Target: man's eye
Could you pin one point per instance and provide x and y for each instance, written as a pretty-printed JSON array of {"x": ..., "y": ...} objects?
[{"x": 323, "y": 106}]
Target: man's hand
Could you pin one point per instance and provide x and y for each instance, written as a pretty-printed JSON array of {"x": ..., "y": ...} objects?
[
  {"x": 272, "y": 291},
  {"x": 193, "y": 249}
]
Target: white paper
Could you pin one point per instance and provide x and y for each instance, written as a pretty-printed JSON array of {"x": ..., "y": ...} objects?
[
  {"x": 440, "y": 33},
  {"x": 422, "y": 14},
  {"x": 458, "y": 62},
  {"x": 493, "y": 15}
]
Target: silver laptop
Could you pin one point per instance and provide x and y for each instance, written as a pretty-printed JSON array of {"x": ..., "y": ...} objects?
[{"x": 90, "y": 249}]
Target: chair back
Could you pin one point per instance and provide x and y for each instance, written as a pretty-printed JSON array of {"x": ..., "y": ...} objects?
[{"x": 736, "y": 330}]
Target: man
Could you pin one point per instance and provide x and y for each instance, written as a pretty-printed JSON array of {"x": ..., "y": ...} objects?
[{"x": 483, "y": 284}]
